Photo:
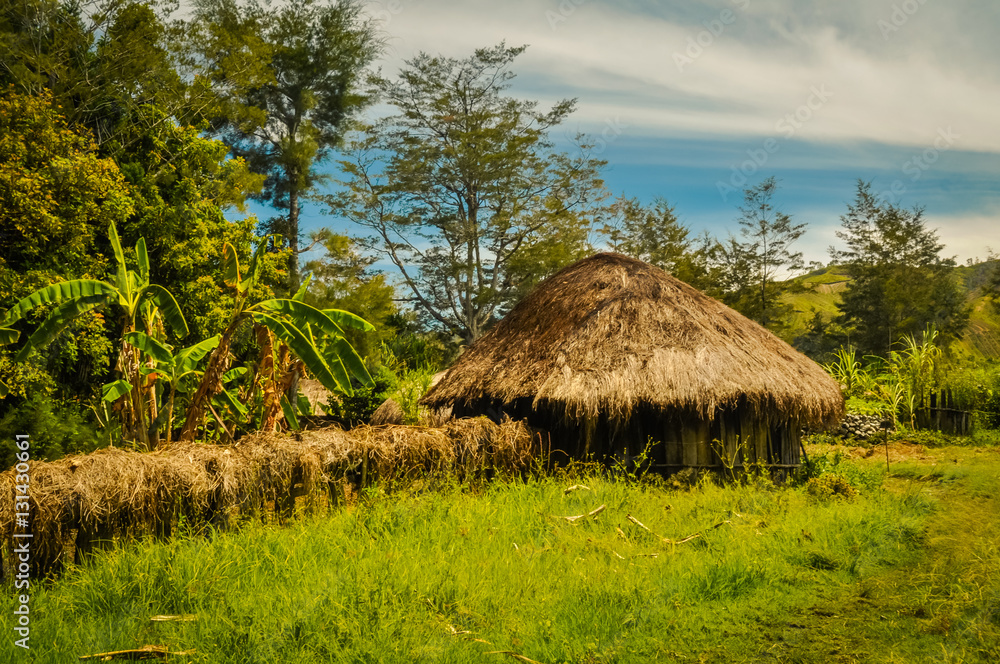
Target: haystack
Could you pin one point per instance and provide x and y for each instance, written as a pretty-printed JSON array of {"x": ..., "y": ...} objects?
[
  {"x": 611, "y": 354},
  {"x": 79, "y": 503},
  {"x": 390, "y": 412}
]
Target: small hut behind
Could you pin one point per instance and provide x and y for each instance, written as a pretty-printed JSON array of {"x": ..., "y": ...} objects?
[{"x": 611, "y": 354}]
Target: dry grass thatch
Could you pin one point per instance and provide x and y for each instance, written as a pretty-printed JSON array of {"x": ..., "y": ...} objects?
[
  {"x": 390, "y": 412},
  {"x": 611, "y": 333},
  {"x": 118, "y": 493}
]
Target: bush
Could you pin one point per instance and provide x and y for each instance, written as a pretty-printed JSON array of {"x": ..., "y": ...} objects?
[
  {"x": 826, "y": 487},
  {"x": 411, "y": 387},
  {"x": 55, "y": 429},
  {"x": 357, "y": 409},
  {"x": 829, "y": 471},
  {"x": 868, "y": 407}
]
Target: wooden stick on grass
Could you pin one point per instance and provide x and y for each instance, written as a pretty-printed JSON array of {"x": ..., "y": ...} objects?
[
  {"x": 145, "y": 652},
  {"x": 594, "y": 512}
]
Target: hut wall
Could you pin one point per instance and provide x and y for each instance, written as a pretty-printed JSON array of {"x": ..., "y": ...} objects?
[{"x": 679, "y": 439}]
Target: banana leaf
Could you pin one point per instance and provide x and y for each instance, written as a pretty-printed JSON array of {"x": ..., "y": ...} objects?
[
  {"x": 168, "y": 307},
  {"x": 305, "y": 406},
  {"x": 289, "y": 412},
  {"x": 302, "y": 314},
  {"x": 8, "y": 336},
  {"x": 253, "y": 272},
  {"x": 140, "y": 249},
  {"x": 150, "y": 346},
  {"x": 346, "y": 354},
  {"x": 121, "y": 273},
  {"x": 188, "y": 358},
  {"x": 65, "y": 290},
  {"x": 230, "y": 266},
  {"x": 333, "y": 379},
  {"x": 300, "y": 294},
  {"x": 111, "y": 391},
  {"x": 60, "y": 318},
  {"x": 234, "y": 403},
  {"x": 233, "y": 374},
  {"x": 347, "y": 319}
]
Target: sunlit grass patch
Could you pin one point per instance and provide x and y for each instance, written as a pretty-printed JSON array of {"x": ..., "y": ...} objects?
[{"x": 452, "y": 574}]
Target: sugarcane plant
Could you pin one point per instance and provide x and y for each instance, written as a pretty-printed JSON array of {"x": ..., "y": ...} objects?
[
  {"x": 314, "y": 337},
  {"x": 140, "y": 302}
]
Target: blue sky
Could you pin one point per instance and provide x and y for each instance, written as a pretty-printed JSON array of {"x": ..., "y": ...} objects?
[{"x": 690, "y": 97}]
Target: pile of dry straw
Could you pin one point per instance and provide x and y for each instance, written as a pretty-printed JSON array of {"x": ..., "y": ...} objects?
[{"x": 89, "y": 500}]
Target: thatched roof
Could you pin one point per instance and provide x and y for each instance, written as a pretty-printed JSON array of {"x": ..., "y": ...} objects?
[{"x": 611, "y": 333}]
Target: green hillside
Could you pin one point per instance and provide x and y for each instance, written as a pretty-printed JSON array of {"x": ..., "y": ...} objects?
[
  {"x": 822, "y": 288},
  {"x": 822, "y": 294}
]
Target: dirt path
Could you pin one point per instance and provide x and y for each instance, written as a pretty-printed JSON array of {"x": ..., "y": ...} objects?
[{"x": 943, "y": 607}]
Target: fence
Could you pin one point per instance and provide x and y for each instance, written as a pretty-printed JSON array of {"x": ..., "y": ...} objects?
[{"x": 942, "y": 415}]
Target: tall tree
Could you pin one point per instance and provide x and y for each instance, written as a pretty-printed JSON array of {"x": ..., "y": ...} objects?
[
  {"x": 756, "y": 264},
  {"x": 288, "y": 80},
  {"x": 900, "y": 283},
  {"x": 101, "y": 61},
  {"x": 464, "y": 191},
  {"x": 653, "y": 234}
]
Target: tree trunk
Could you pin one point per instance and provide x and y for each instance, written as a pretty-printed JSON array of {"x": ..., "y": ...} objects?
[
  {"x": 293, "y": 238},
  {"x": 294, "y": 278},
  {"x": 211, "y": 384}
]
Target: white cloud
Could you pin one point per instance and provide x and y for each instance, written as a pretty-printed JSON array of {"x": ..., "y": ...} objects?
[{"x": 756, "y": 71}]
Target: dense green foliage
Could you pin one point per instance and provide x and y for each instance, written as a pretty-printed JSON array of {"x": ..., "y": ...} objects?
[
  {"x": 899, "y": 282},
  {"x": 288, "y": 79},
  {"x": 57, "y": 198},
  {"x": 60, "y": 428}
]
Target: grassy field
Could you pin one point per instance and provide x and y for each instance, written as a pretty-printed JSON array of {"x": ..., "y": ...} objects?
[{"x": 905, "y": 570}]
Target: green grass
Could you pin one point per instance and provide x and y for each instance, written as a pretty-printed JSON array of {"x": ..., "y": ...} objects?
[{"x": 777, "y": 574}]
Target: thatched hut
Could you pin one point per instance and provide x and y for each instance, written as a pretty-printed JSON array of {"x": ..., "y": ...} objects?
[{"x": 612, "y": 353}]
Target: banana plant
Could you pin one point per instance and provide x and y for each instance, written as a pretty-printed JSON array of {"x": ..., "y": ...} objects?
[
  {"x": 315, "y": 336},
  {"x": 171, "y": 368},
  {"x": 132, "y": 292}
]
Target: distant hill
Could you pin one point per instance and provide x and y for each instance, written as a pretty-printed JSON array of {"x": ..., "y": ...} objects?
[{"x": 822, "y": 294}]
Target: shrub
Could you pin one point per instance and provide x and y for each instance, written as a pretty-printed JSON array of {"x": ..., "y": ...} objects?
[
  {"x": 820, "y": 467},
  {"x": 55, "y": 429},
  {"x": 357, "y": 409},
  {"x": 411, "y": 386},
  {"x": 826, "y": 487}
]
